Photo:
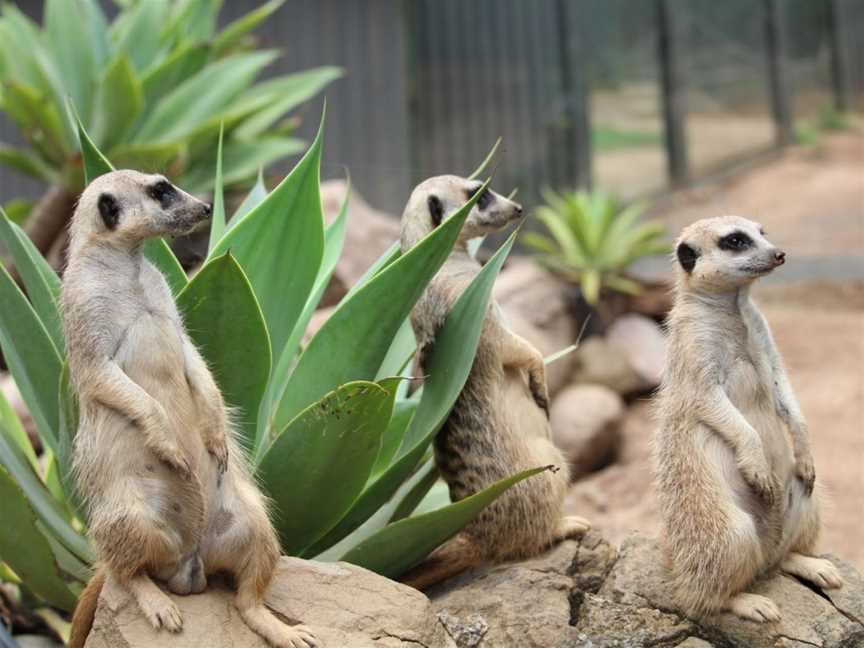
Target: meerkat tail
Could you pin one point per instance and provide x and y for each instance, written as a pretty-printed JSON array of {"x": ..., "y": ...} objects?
[
  {"x": 85, "y": 610},
  {"x": 449, "y": 560}
]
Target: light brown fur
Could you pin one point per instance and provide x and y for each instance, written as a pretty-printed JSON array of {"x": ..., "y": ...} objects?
[
  {"x": 734, "y": 472},
  {"x": 167, "y": 488},
  {"x": 499, "y": 425}
]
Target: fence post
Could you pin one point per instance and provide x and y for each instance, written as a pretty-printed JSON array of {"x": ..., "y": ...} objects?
[
  {"x": 775, "y": 42},
  {"x": 674, "y": 94},
  {"x": 839, "y": 52},
  {"x": 576, "y": 140}
]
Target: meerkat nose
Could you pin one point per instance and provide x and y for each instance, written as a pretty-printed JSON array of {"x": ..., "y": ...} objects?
[
  {"x": 208, "y": 210},
  {"x": 518, "y": 209},
  {"x": 780, "y": 257}
]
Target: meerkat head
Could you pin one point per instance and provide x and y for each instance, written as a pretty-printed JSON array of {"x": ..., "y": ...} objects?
[
  {"x": 436, "y": 199},
  {"x": 128, "y": 207},
  {"x": 724, "y": 253}
]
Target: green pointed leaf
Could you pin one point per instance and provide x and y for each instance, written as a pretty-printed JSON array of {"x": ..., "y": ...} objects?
[
  {"x": 40, "y": 280},
  {"x": 158, "y": 80},
  {"x": 66, "y": 440},
  {"x": 254, "y": 198},
  {"x": 138, "y": 32},
  {"x": 119, "y": 101},
  {"x": 337, "y": 437},
  {"x": 31, "y": 356},
  {"x": 68, "y": 39},
  {"x": 363, "y": 326},
  {"x": 448, "y": 367},
  {"x": 223, "y": 318},
  {"x": 486, "y": 160},
  {"x": 402, "y": 545},
  {"x": 234, "y": 33},
  {"x": 334, "y": 238},
  {"x": 394, "y": 434},
  {"x": 412, "y": 499},
  {"x": 185, "y": 107},
  {"x": 26, "y": 163},
  {"x": 25, "y": 549},
  {"x": 11, "y": 426},
  {"x": 280, "y": 244},
  {"x": 217, "y": 222},
  {"x": 156, "y": 250}
]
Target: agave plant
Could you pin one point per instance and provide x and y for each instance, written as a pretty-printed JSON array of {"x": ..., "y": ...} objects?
[
  {"x": 334, "y": 438},
  {"x": 152, "y": 88},
  {"x": 594, "y": 239}
]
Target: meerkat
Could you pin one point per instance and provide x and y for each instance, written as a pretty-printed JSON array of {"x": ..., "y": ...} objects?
[
  {"x": 168, "y": 493},
  {"x": 734, "y": 473},
  {"x": 499, "y": 425}
]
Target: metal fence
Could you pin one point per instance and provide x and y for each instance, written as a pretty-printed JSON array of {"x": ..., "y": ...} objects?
[{"x": 631, "y": 96}]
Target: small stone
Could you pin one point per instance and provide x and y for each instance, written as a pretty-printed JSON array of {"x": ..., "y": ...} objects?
[{"x": 643, "y": 344}]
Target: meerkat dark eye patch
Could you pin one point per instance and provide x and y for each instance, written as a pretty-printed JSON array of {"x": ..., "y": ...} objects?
[
  {"x": 109, "y": 210},
  {"x": 687, "y": 257},
  {"x": 486, "y": 198},
  {"x": 735, "y": 242},
  {"x": 436, "y": 210},
  {"x": 162, "y": 192}
]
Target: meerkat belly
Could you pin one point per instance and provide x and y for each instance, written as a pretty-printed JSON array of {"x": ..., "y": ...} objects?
[{"x": 754, "y": 398}]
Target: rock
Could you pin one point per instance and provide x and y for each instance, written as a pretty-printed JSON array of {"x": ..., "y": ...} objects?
[
  {"x": 11, "y": 394},
  {"x": 694, "y": 642},
  {"x": 638, "y": 579},
  {"x": 536, "y": 307},
  {"x": 36, "y": 641},
  {"x": 585, "y": 421},
  {"x": 597, "y": 362},
  {"x": 643, "y": 344},
  {"x": 368, "y": 234},
  {"x": 345, "y": 606}
]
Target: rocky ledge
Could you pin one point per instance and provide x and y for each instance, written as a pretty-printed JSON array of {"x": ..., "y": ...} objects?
[{"x": 580, "y": 595}]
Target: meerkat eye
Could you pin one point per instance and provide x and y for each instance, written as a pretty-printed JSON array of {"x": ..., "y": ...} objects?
[
  {"x": 735, "y": 242},
  {"x": 485, "y": 199},
  {"x": 162, "y": 192}
]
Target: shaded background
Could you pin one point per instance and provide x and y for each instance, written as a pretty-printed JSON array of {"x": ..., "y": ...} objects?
[{"x": 579, "y": 89}]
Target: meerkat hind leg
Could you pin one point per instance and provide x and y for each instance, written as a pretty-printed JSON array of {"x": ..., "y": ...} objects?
[
  {"x": 818, "y": 571},
  {"x": 753, "y": 607},
  {"x": 159, "y": 609},
  {"x": 572, "y": 526}
]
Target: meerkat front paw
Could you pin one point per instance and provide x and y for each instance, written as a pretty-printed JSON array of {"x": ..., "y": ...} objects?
[
  {"x": 300, "y": 636},
  {"x": 753, "y": 607},
  {"x": 172, "y": 455},
  {"x": 217, "y": 446},
  {"x": 573, "y": 526},
  {"x": 539, "y": 391},
  {"x": 804, "y": 470},
  {"x": 758, "y": 477}
]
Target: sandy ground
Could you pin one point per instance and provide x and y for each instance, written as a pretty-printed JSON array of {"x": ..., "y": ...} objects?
[{"x": 811, "y": 201}]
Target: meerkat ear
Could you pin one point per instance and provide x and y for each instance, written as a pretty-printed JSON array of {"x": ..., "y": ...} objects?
[
  {"x": 687, "y": 257},
  {"x": 109, "y": 210},
  {"x": 436, "y": 210}
]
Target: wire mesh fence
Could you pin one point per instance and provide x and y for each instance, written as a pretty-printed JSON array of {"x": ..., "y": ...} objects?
[{"x": 625, "y": 95}]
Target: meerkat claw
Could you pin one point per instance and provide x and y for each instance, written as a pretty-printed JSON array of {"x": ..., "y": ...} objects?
[{"x": 753, "y": 607}]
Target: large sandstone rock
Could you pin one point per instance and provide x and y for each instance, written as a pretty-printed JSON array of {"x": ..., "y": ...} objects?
[
  {"x": 643, "y": 344},
  {"x": 536, "y": 306},
  {"x": 345, "y": 605},
  {"x": 585, "y": 421},
  {"x": 368, "y": 234}
]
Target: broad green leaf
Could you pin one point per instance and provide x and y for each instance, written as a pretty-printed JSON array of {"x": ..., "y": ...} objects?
[
  {"x": 589, "y": 282},
  {"x": 400, "y": 352},
  {"x": 38, "y": 118},
  {"x": 402, "y": 545},
  {"x": 68, "y": 39},
  {"x": 334, "y": 238},
  {"x": 362, "y": 328},
  {"x": 18, "y": 210},
  {"x": 335, "y": 438},
  {"x": 222, "y": 316},
  {"x": 255, "y": 197},
  {"x": 26, "y": 550},
  {"x": 11, "y": 426},
  {"x": 183, "y": 63},
  {"x": 412, "y": 499},
  {"x": 119, "y": 101},
  {"x": 283, "y": 94},
  {"x": 66, "y": 440},
  {"x": 280, "y": 244},
  {"x": 31, "y": 356},
  {"x": 139, "y": 33},
  {"x": 148, "y": 157},
  {"x": 26, "y": 163},
  {"x": 40, "y": 280},
  {"x": 156, "y": 250},
  {"x": 16, "y": 463},
  {"x": 394, "y": 434},
  {"x": 449, "y": 364},
  {"x": 234, "y": 33},
  {"x": 217, "y": 222},
  {"x": 182, "y": 110}
]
